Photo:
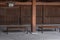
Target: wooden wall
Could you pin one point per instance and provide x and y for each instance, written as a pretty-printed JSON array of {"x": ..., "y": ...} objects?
[
  {"x": 51, "y": 14},
  {"x": 39, "y": 14},
  {"x": 9, "y": 15},
  {"x": 26, "y": 14}
]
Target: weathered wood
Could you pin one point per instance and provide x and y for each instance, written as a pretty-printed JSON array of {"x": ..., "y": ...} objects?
[{"x": 34, "y": 16}]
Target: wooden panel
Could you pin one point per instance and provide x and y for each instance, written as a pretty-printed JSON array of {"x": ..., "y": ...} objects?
[
  {"x": 52, "y": 14},
  {"x": 52, "y": 11},
  {"x": 39, "y": 11},
  {"x": 26, "y": 20},
  {"x": 56, "y": 20},
  {"x": 49, "y": 20},
  {"x": 26, "y": 14},
  {"x": 26, "y": 11},
  {"x": 39, "y": 14},
  {"x": 9, "y": 15},
  {"x": 39, "y": 20}
]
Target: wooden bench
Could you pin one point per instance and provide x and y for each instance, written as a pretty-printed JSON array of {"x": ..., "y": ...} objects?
[
  {"x": 17, "y": 28},
  {"x": 25, "y": 27},
  {"x": 42, "y": 27}
]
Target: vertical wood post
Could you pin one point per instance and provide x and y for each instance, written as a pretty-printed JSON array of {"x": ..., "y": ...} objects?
[{"x": 33, "y": 27}]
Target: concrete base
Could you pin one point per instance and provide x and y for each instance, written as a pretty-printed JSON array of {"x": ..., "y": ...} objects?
[{"x": 34, "y": 32}]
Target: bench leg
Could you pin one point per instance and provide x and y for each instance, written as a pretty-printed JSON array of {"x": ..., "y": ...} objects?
[
  {"x": 55, "y": 29},
  {"x": 59, "y": 29},
  {"x": 26, "y": 30},
  {"x": 7, "y": 30},
  {"x": 42, "y": 30}
]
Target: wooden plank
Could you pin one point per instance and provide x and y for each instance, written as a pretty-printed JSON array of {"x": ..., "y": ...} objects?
[
  {"x": 48, "y": 3},
  {"x": 23, "y": 3},
  {"x": 30, "y": 3},
  {"x": 48, "y": 26},
  {"x": 33, "y": 16},
  {"x": 17, "y": 3},
  {"x": 15, "y": 25},
  {"x": 3, "y": 3}
]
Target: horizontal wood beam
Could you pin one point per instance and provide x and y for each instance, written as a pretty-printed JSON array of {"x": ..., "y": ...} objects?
[
  {"x": 17, "y": 3},
  {"x": 30, "y": 3},
  {"x": 23, "y": 3},
  {"x": 2, "y": 3},
  {"x": 48, "y": 3}
]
